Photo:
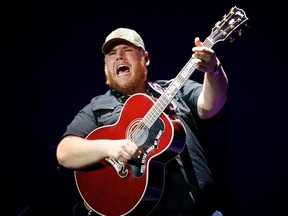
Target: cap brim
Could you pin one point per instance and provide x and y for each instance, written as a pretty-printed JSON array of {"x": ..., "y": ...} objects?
[{"x": 111, "y": 41}]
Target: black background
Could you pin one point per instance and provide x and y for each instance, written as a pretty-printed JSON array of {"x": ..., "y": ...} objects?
[{"x": 52, "y": 66}]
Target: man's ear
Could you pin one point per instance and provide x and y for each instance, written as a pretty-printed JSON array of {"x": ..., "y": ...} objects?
[
  {"x": 147, "y": 59},
  {"x": 106, "y": 75}
]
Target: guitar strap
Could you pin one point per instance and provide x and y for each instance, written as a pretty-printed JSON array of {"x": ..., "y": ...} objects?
[
  {"x": 172, "y": 108},
  {"x": 188, "y": 171}
]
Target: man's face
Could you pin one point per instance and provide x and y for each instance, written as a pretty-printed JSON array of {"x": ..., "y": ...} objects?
[{"x": 126, "y": 68}]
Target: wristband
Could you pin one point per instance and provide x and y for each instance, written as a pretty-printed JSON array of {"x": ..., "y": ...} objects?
[{"x": 216, "y": 72}]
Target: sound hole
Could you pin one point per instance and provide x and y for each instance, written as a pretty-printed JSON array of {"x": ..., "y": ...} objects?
[{"x": 138, "y": 133}]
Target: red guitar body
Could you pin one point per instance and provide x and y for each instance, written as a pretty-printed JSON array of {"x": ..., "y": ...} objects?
[{"x": 113, "y": 188}]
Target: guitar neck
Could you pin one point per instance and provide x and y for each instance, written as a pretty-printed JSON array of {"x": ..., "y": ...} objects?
[
  {"x": 220, "y": 32},
  {"x": 167, "y": 96}
]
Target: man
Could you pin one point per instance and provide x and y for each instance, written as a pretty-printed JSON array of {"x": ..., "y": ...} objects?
[{"x": 188, "y": 181}]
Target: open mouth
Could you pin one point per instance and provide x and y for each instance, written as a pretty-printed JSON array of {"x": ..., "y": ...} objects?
[{"x": 122, "y": 70}]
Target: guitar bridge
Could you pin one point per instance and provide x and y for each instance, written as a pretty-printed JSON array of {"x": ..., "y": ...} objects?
[{"x": 119, "y": 166}]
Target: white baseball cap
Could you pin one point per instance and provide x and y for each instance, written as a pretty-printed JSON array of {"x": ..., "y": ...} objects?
[{"x": 123, "y": 34}]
